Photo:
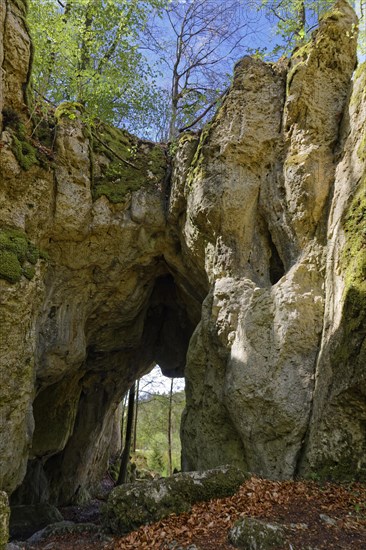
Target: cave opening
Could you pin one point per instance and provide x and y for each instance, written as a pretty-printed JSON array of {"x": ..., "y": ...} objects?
[{"x": 75, "y": 416}]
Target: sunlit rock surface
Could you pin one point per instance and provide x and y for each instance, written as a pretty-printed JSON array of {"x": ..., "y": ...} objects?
[{"x": 240, "y": 266}]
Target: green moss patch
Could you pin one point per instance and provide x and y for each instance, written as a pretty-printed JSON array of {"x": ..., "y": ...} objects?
[
  {"x": 24, "y": 152},
  {"x": 197, "y": 170},
  {"x": 345, "y": 469},
  {"x": 21, "y": 146},
  {"x": 348, "y": 354},
  {"x": 361, "y": 151},
  {"x": 353, "y": 256},
  {"x": 69, "y": 109},
  {"x": 10, "y": 268},
  {"x": 18, "y": 255},
  {"x": 359, "y": 79},
  {"x": 132, "y": 163},
  {"x": 353, "y": 260}
]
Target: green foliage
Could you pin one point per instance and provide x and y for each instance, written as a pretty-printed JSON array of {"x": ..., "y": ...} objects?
[
  {"x": 87, "y": 52},
  {"x": 18, "y": 255},
  {"x": 152, "y": 429},
  {"x": 155, "y": 459},
  {"x": 293, "y": 20}
]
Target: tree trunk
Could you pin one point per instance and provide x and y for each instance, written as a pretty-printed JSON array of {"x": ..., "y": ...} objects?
[
  {"x": 136, "y": 414},
  {"x": 173, "y": 119},
  {"x": 124, "y": 402},
  {"x": 122, "y": 477},
  {"x": 301, "y": 29},
  {"x": 170, "y": 465}
]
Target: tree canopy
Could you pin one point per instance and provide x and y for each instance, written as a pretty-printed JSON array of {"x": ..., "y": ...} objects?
[
  {"x": 202, "y": 40},
  {"x": 87, "y": 51},
  {"x": 156, "y": 66}
]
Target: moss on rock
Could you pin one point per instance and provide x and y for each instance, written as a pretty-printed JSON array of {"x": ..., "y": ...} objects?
[
  {"x": 10, "y": 268},
  {"x": 18, "y": 255},
  {"x": 348, "y": 355},
  {"x": 132, "y": 163},
  {"x": 132, "y": 505},
  {"x": 353, "y": 259},
  {"x": 361, "y": 151},
  {"x": 68, "y": 109},
  {"x": 24, "y": 152},
  {"x": 197, "y": 170}
]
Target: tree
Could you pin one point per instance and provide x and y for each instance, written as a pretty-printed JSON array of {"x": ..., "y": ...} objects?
[
  {"x": 136, "y": 415},
  {"x": 86, "y": 51},
  {"x": 122, "y": 477},
  {"x": 170, "y": 467},
  {"x": 197, "y": 47},
  {"x": 293, "y": 20},
  {"x": 360, "y": 7}
]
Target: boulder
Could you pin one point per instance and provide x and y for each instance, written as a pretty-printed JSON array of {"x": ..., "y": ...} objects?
[
  {"x": 135, "y": 504},
  {"x": 254, "y": 534}
]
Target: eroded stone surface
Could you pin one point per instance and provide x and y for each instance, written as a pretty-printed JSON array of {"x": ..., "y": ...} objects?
[
  {"x": 4, "y": 519},
  {"x": 244, "y": 271},
  {"x": 259, "y": 337}
]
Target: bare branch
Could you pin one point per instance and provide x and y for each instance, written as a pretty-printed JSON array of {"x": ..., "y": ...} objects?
[{"x": 201, "y": 116}]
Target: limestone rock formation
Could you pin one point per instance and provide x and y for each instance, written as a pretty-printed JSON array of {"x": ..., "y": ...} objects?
[
  {"x": 241, "y": 266},
  {"x": 4, "y": 519}
]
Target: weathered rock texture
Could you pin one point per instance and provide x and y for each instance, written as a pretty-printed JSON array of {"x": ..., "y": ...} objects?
[
  {"x": 244, "y": 269},
  {"x": 254, "y": 534},
  {"x": 4, "y": 519},
  {"x": 134, "y": 504}
]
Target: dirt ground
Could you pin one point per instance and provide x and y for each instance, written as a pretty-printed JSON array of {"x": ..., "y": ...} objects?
[{"x": 316, "y": 516}]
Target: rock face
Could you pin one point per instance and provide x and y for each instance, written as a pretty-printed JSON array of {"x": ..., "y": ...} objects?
[
  {"x": 241, "y": 266},
  {"x": 4, "y": 519}
]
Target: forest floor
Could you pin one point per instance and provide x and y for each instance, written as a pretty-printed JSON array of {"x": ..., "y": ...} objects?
[{"x": 315, "y": 515}]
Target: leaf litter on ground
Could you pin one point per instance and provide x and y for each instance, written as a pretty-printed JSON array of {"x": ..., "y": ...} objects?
[{"x": 319, "y": 515}]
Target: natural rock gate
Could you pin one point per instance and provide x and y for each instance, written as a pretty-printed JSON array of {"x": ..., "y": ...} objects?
[{"x": 242, "y": 264}]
